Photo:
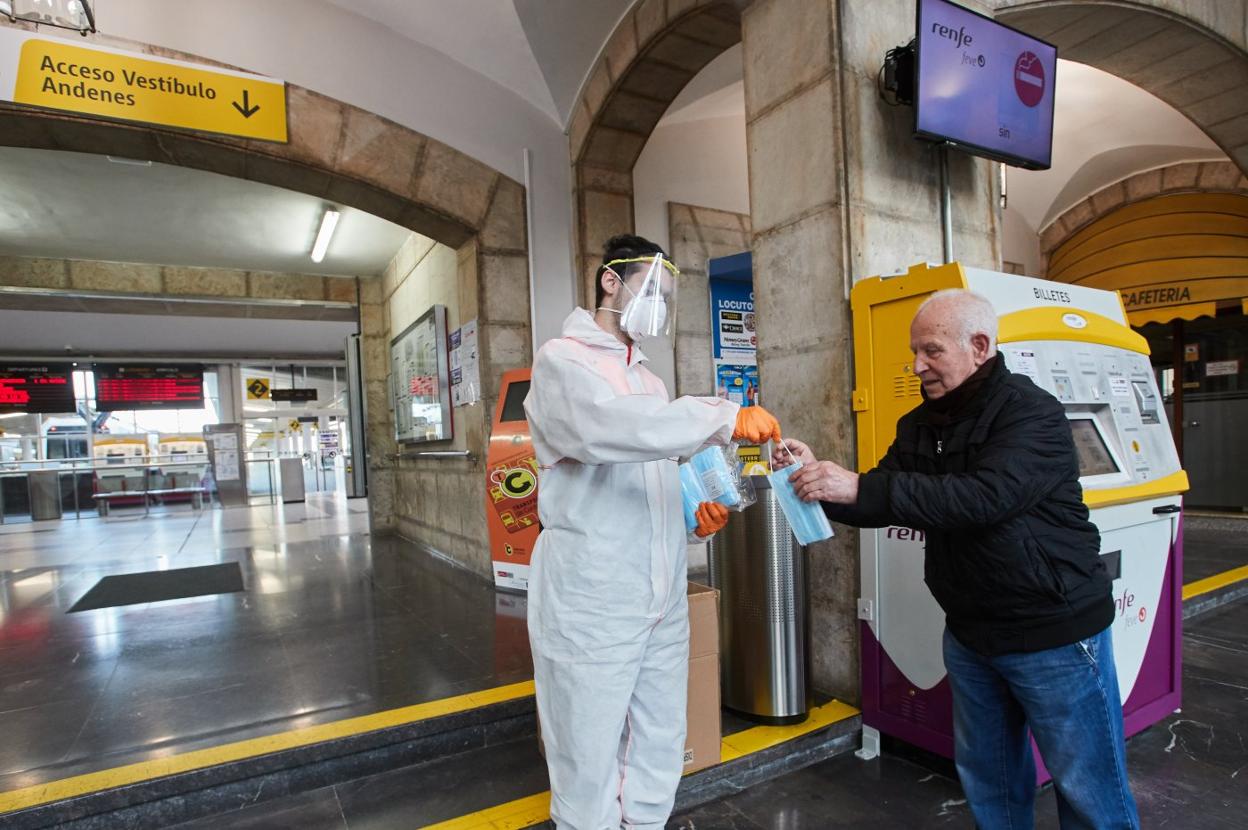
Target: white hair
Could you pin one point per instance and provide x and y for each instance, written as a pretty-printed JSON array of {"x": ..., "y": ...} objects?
[{"x": 971, "y": 313}]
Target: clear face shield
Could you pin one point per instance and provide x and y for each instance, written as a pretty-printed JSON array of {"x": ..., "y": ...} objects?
[{"x": 650, "y": 286}]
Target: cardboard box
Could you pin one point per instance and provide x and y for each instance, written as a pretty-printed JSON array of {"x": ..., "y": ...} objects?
[{"x": 703, "y": 740}]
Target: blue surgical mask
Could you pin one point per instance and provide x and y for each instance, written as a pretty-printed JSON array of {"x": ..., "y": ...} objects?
[
  {"x": 692, "y": 495},
  {"x": 718, "y": 481},
  {"x": 807, "y": 519}
]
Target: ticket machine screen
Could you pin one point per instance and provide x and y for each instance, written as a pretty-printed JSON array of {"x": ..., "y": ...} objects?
[
  {"x": 1094, "y": 456},
  {"x": 513, "y": 404}
]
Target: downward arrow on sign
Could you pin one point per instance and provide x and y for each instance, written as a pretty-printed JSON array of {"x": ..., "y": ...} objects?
[{"x": 246, "y": 109}]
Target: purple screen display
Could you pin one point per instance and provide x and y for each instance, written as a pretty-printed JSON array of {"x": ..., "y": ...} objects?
[{"x": 984, "y": 85}]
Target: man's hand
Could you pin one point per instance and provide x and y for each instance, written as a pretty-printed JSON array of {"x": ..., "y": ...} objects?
[
  {"x": 825, "y": 481},
  {"x": 793, "y": 450},
  {"x": 712, "y": 516}
]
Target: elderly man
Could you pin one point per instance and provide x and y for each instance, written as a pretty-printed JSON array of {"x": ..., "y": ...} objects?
[{"x": 986, "y": 466}]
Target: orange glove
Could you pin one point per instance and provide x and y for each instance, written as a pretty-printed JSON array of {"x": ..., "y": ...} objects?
[
  {"x": 756, "y": 425},
  {"x": 712, "y": 516}
]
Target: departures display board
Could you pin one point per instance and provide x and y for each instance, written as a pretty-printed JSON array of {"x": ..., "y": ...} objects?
[
  {"x": 120, "y": 388},
  {"x": 45, "y": 389},
  {"x": 420, "y": 385}
]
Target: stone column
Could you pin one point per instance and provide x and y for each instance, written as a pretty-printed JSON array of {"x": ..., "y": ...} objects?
[
  {"x": 604, "y": 208},
  {"x": 839, "y": 191},
  {"x": 698, "y": 235}
]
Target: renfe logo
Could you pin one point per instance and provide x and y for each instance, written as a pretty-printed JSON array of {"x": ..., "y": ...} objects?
[
  {"x": 959, "y": 36},
  {"x": 1029, "y": 79}
]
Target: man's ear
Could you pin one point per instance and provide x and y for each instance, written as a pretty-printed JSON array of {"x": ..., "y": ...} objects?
[
  {"x": 610, "y": 282},
  {"x": 981, "y": 344}
]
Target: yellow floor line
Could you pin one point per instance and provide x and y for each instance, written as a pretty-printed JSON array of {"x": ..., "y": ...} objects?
[
  {"x": 534, "y": 809},
  {"x": 1213, "y": 583},
  {"x": 79, "y": 785},
  {"x": 523, "y": 812}
]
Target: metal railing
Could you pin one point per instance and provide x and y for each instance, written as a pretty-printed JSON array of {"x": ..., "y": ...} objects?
[{"x": 157, "y": 478}]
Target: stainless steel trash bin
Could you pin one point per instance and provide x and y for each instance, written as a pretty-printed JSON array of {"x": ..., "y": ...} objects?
[
  {"x": 760, "y": 571},
  {"x": 45, "y": 495}
]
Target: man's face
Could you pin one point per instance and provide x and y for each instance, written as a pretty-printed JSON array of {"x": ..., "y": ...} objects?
[
  {"x": 942, "y": 359},
  {"x": 633, "y": 275}
]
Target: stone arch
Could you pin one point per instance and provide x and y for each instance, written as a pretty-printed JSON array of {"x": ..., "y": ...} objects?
[
  {"x": 336, "y": 151},
  {"x": 1195, "y": 59},
  {"x": 349, "y": 156},
  {"x": 657, "y": 48},
  {"x": 1186, "y": 177}
]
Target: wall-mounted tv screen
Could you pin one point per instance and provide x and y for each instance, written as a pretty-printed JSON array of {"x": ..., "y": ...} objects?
[{"x": 984, "y": 87}]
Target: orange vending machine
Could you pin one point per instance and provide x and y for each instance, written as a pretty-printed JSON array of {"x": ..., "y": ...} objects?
[{"x": 511, "y": 485}]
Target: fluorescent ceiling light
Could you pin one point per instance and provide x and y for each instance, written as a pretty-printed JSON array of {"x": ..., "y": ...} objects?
[
  {"x": 130, "y": 162},
  {"x": 328, "y": 223}
]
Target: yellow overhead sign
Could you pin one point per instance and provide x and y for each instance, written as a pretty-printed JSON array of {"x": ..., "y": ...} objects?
[
  {"x": 257, "y": 389},
  {"x": 57, "y": 74}
]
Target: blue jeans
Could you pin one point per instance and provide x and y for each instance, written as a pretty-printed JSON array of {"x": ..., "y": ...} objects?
[{"x": 1069, "y": 698}]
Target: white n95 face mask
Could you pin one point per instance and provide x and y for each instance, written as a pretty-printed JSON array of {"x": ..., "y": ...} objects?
[{"x": 644, "y": 317}]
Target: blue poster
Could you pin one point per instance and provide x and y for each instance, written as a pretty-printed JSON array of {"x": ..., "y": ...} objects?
[
  {"x": 736, "y": 383},
  {"x": 733, "y": 332}
]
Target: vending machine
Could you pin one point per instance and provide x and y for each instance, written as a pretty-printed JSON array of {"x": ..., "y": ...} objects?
[
  {"x": 1076, "y": 343},
  {"x": 511, "y": 485}
]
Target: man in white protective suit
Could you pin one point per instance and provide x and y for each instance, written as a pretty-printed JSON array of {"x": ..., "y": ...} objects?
[{"x": 608, "y": 614}]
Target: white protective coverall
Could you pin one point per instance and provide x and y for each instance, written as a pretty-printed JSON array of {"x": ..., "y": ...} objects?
[{"x": 608, "y": 614}]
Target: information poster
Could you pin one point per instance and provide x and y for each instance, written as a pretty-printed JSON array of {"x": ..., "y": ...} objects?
[
  {"x": 734, "y": 340},
  {"x": 738, "y": 384},
  {"x": 420, "y": 379},
  {"x": 329, "y": 445},
  {"x": 465, "y": 365},
  {"x": 225, "y": 456},
  {"x": 734, "y": 337}
]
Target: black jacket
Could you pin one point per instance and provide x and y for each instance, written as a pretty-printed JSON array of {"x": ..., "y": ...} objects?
[{"x": 994, "y": 484}]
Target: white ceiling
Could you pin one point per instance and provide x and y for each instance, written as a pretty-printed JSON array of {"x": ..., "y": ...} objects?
[
  {"x": 80, "y": 206},
  {"x": 1105, "y": 129},
  {"x": 539, "y": 49}
]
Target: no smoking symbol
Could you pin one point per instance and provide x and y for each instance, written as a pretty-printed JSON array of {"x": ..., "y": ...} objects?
[{"x": 1029, "y": 80}]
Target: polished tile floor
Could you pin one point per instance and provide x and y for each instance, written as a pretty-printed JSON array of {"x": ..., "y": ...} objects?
[
  {"x": 1211, "y": 548},
  {"x": 334, "y": 624},
  {"x": 1186, "y": 773}
]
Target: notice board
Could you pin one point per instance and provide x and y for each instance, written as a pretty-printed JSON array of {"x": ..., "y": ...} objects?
[{"x": 420, "y": 385}]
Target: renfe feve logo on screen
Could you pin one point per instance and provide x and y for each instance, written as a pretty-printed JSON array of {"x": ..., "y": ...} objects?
[{"x": 960, "y": 38}]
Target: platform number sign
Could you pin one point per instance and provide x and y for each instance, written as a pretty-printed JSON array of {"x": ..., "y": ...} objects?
[{"x": 257, "y": 389}]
